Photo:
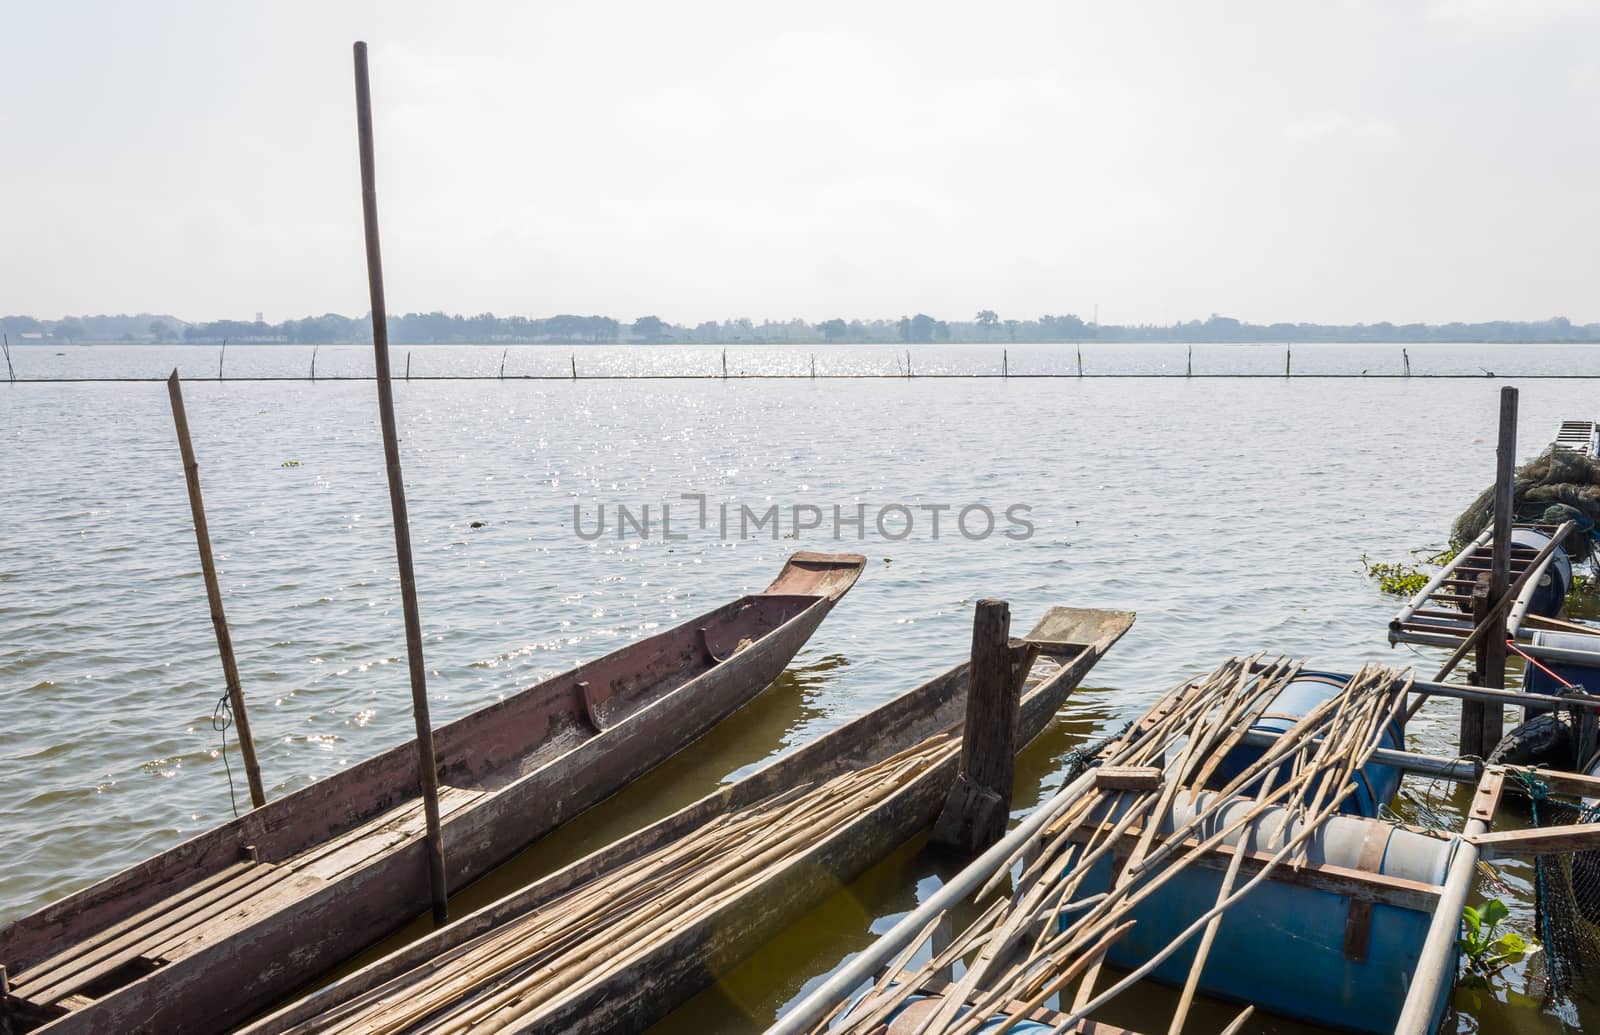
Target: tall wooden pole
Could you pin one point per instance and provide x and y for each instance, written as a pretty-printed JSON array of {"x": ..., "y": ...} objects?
[
  {"x": 1482, "y": 723},
  {"x": 219, "y": 620},
  {"x": 1492, "y": 662},
  {"x": 427, "y": 765}
]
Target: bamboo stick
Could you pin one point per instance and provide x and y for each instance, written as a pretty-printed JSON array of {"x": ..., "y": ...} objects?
[
  {"x": 531, "y": 964},
  {"x": 427, "y": 764},
  {"x": 1323, "y": 750},
  {"x": 219, "y": 618}
]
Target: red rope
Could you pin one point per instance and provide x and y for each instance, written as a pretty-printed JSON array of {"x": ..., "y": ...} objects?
[{"x": 1534, "y": 662}]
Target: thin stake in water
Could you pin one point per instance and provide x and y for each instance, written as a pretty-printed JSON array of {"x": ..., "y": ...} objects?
[{"x": 219, "y": 619}]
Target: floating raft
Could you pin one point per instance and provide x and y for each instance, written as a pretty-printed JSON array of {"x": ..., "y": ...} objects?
[
  {"x": 202, "y": 936},
  {"x": 1190, "y": 860},
  {"x": 618, "y": 939}
]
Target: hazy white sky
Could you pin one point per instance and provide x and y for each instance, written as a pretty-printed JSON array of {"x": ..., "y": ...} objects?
[{"x": 1329, "y": 161}]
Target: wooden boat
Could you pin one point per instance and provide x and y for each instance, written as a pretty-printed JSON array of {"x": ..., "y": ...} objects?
[
  {"x": 655, "y": 966},
  {"x": 222, "y": 926}
]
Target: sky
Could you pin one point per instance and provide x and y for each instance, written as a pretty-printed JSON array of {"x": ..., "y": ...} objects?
[{"x": 1327, "y": 161}]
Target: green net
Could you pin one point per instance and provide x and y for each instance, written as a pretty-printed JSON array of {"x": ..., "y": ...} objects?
[
  {"x": 1567, "y": 899},
  {"x": 1555, "y": 486}
]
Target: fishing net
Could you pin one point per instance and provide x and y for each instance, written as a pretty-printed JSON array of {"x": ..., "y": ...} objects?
[
  {"x": 1555, "y": 486},
  {"x": 1567, "y": 899}
]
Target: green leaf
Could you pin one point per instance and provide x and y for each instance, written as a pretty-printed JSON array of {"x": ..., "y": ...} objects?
[{"x": 1494, "y": 911}]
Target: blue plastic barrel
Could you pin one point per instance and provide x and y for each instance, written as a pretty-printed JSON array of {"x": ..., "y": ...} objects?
[
  {"x": 1285, "y": 946},
  {"x": 1550, "y": 593},
  {"x": 1376, "y": 785},
  {"x": 1539, "y": 681}
]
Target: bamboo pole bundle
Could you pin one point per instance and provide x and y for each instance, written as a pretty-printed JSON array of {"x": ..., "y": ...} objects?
[
  {"x": 507, "y": 977},
  {"x": 1300, "y": 781}
]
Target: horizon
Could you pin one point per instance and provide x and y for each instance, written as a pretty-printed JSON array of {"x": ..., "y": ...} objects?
[
  {"x": 1360, "y": 163},
  {"x": 987, "y": 327}
]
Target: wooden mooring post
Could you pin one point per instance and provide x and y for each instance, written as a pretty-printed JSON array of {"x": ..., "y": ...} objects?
[
  {"x": 427, "y": 764},
  {"x": 1483, "y": 724},
  {"x": 219, "y": 619},
  {"x": 979, "y": 803}
]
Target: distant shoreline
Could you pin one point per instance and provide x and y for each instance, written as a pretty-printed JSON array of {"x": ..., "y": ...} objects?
[
  {"x": 986, "y": 328},
  {"x": 799, "y": 343}
]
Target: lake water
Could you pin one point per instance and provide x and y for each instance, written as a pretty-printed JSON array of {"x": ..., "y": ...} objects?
[{"x": 1233, "y": 515}]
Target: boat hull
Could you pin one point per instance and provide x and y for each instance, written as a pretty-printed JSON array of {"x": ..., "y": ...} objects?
[
  {"x": 676, "y": 967},
  {"x": 291, "y": 927}
]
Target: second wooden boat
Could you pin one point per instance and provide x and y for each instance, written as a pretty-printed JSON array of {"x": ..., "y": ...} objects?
[
  {"x": 620, "y": 937},
  {"x": 219, "y": 927}
]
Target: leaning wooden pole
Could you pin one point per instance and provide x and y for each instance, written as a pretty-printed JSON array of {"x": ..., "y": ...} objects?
[
  {"x": 427, "y": 765},
  {"x": 219, "y": 620}
]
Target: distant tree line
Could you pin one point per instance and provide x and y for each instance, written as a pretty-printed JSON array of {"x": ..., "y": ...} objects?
[{"x": 985, "y": 326}]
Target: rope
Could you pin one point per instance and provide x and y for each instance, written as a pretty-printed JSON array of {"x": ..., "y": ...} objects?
[
  {"x": 1086, "y": 756},
  {"x": 1535, "y": 663},
  {"x": 221, "y": 719}
]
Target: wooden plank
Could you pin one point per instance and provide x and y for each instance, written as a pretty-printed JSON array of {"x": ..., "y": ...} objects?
[
  {"x": 1557, "y": 840},
  {"x": 147, "y": 938},
  {"x": 71, "y": 952},
  {"x": 1358, "y": 917},
  {"x": 77, "y": 955},
  {"x": 1129, "y": 778},
  {"x": 177, "y": 933},
  {"x": 1561, "y": 782},
  {"x": 1487, "y": 799}
]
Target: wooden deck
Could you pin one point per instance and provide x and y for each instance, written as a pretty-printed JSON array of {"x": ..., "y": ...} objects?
[{"x": 216, "y": 909}]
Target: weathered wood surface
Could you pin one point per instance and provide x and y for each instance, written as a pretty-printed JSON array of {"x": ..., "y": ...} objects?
[
  {"x": 350, "y": 844},
  {"x": 1483, "y": 724},
  {"x": 1557, "y": 840},
  {"x": 690, "y": 956},
  {"x": 1128, "y": 777},
  {"x": 978, "y": 806}
]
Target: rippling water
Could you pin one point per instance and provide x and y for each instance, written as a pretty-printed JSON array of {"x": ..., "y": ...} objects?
[{"x": 1232, "y": 515}]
